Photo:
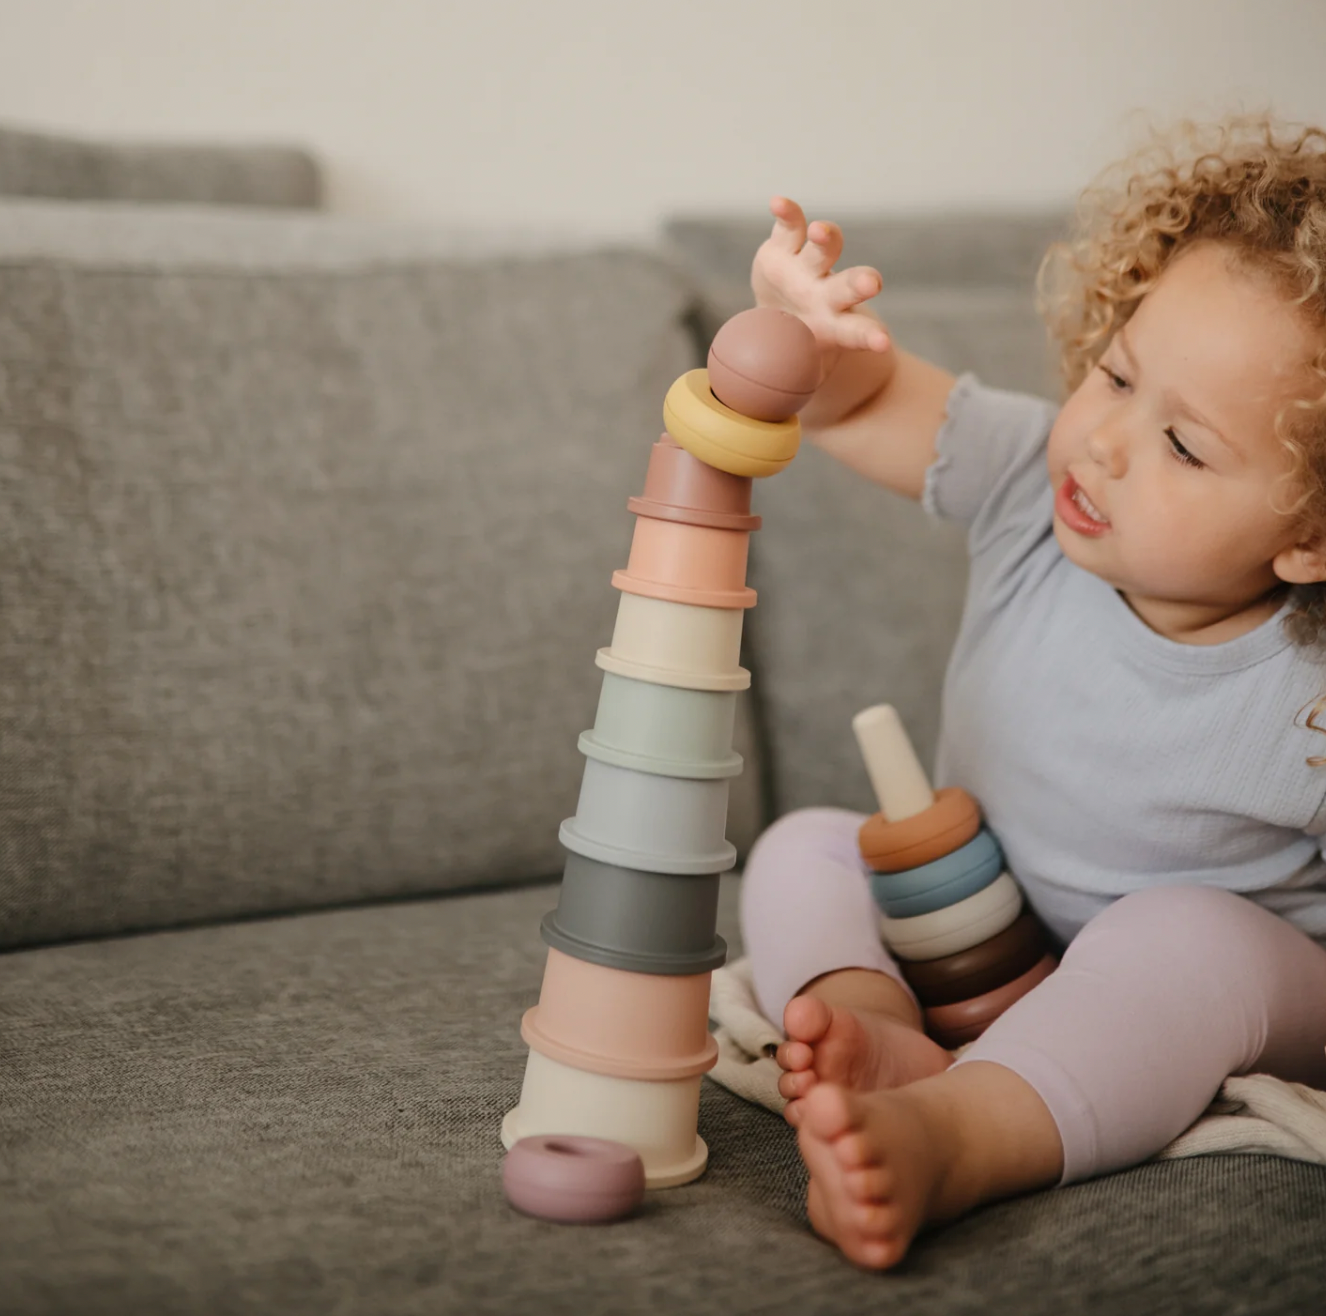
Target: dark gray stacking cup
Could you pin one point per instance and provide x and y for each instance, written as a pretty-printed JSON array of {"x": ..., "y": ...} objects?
[{"x": 641, "y": 922}]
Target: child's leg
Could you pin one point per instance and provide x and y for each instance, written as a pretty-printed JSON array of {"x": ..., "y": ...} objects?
[
  {"x": 1157, "y": 1000},
  {"x": 811, "y": 929},
  {"x": 806, "y": 907}
]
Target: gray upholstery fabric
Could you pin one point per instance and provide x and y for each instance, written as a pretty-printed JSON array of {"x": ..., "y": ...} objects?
[
  {"x": 301, "y": 1115},
  {"x": 306, "y": 542},
  {"x": 40, "y": 164},
  {"x": 860, "y": 593}
]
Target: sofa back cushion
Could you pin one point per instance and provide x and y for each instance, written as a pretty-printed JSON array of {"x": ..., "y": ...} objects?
[
  {"x": 307, "y": 532},
  {"x": 39, "y": 164}
]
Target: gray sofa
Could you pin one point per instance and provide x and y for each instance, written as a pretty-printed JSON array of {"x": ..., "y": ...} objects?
[{"x": 306, "y": 531}]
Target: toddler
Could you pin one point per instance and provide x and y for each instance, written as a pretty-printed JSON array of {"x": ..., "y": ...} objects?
[{"x": 1132, "y": 696}]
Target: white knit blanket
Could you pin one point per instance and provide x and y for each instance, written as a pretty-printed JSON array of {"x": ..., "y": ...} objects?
[{"x": 1252, "y": 1114}]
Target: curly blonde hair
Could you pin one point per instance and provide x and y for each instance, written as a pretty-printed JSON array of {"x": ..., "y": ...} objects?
[{"x": 1257, "y": 186}]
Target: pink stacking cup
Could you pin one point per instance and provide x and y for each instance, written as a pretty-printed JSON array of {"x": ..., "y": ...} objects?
[
  {"x": 687, "y": 564},
  {"x": 630, "y": 1025}
]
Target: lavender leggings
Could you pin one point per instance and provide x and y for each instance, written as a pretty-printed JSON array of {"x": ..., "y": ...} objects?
[{"x": 1156, "y": 1001}]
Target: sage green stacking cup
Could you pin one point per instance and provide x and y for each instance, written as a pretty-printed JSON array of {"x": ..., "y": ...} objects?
[{"x": 664, "y": 729}]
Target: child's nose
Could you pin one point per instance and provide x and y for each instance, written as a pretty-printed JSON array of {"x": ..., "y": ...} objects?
[{"x": 1106, "y": 446}]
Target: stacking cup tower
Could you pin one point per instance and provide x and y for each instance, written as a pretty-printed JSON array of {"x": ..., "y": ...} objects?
[
  {"x": 619, "y": 1039},
  {"x": 951, "y": 913}
]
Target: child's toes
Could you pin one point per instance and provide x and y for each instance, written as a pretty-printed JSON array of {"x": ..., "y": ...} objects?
[
  {"x": 794, "y": 1086},
  {"x": 831, "y": 1111},
  {"x": 875, "y": 1221},
  {"x": 794, "y": 1055},
  {"x": 855, "y": 1150},
  {"x": 878, "y": 1254},
  {"x": 807, "y": 1019},
  {"x": 874, "y": 1183}
]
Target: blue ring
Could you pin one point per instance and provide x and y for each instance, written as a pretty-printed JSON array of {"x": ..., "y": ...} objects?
[{"x": 953, "y": 877}]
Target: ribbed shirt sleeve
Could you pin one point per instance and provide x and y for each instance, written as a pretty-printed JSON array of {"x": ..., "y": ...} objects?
[{"x": 989, "y": 470}]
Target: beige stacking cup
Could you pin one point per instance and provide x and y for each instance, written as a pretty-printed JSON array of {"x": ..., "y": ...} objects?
[
  {"x": 632, "y": 1025},
  {"x": 656, "y": 1118},
  {"x": 679, "y": 644}
]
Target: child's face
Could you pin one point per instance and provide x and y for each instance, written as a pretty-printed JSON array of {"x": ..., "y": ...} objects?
[{"x": 1191, "y": 536}]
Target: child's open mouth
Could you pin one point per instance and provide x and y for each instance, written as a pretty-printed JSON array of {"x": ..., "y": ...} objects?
[{"x": 1077, "y": 511}]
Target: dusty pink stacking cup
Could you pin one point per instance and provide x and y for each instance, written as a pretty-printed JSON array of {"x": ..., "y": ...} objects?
[
  {"x": 680, "y": 487},
  {"x": 631, "y": 1025}
]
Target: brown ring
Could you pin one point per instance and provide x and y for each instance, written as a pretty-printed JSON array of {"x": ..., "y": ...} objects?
[
  {"x": 979, "y": 969},
  {"x": 983, "y": 1010},
  {"x": 893, "y": 847}
]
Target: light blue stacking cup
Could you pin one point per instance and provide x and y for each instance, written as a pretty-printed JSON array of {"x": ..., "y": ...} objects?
[
  {"x": 943, "y": 882},
  {"x": 655, "y": 823}
]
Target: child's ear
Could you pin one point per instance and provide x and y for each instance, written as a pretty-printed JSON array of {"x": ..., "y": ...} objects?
[{"x": 1304, "y": 564}]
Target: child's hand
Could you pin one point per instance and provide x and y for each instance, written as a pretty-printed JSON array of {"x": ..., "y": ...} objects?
[{"x": 793, "y": 270}]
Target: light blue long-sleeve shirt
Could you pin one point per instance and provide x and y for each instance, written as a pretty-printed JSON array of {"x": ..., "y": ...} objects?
[{"x": 1105, "y": 757}]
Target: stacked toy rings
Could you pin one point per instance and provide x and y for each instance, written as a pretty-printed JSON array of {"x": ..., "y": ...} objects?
[{"x": 950, "y": 912}]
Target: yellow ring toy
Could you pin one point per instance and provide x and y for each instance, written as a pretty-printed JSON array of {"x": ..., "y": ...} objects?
[{"x": 721, "y": 437}]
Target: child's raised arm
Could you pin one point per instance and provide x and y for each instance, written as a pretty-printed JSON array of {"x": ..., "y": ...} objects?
[{"x": 878, "y": 409}]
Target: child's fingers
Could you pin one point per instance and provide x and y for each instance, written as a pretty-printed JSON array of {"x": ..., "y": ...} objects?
[
  {"x": 849, "y": 288},
  {"x": 789, "y": 230},
  {"x": 824, "y": 244},
  {"x": 861, "y": 332}
]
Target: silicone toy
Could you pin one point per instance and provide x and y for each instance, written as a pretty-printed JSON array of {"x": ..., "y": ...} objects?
[
  {"x": 619, "y": 1039},
  {"x": 575, "y": 1180},
  {"x": 979, "y": 969},
  {"x": 955, "y": 927},
  {"x": 763, "y": 364},
  {"x": 713, "y": 432},
  {"x": 950, "y": 913},
  {"x": 895, "y": 846},
  {"x": 679, "y": 487},
  {"x": 944, "y": 881},
  {"x": 965, "y": 1021}
]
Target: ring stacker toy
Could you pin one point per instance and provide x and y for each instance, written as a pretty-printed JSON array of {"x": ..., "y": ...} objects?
[
  {"x": 619, "y": 1040},
  {"x": 950, "y": 912}
]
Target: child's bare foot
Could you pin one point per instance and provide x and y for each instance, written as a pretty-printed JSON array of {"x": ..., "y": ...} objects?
[
  {"x": 883, "y": 1164},
  {"x": 862, "y": 1046}
]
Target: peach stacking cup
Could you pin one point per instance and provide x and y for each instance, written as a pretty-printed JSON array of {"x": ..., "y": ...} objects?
[
  {"x": 680, "y": 487},
  {"x": 676, "y": 644},
  {"x": 631, "y": 1025},
  {"x": 687, "y": 564},
  {"x": 658, "y": 1119}
]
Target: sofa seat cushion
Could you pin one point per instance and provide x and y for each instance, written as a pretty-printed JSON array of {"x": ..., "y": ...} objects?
[{"x": 301, "y": 1115}]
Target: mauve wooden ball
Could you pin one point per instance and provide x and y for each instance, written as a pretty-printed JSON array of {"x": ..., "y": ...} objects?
[{"x": 764, "y": 363}]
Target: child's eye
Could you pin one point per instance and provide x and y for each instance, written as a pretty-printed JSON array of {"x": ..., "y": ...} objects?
[
  {"x": 1179, "y": 451},
  {"x": 1116, "y": 381}
]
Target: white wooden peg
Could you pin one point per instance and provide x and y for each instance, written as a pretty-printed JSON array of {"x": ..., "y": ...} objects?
[{"x": 901, "y": 785}]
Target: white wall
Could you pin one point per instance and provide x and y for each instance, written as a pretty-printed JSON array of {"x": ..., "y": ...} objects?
[{"x": 601, "y": 116}]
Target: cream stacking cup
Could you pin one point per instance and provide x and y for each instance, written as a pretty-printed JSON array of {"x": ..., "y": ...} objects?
[{"x": 619, "y": 1039}]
